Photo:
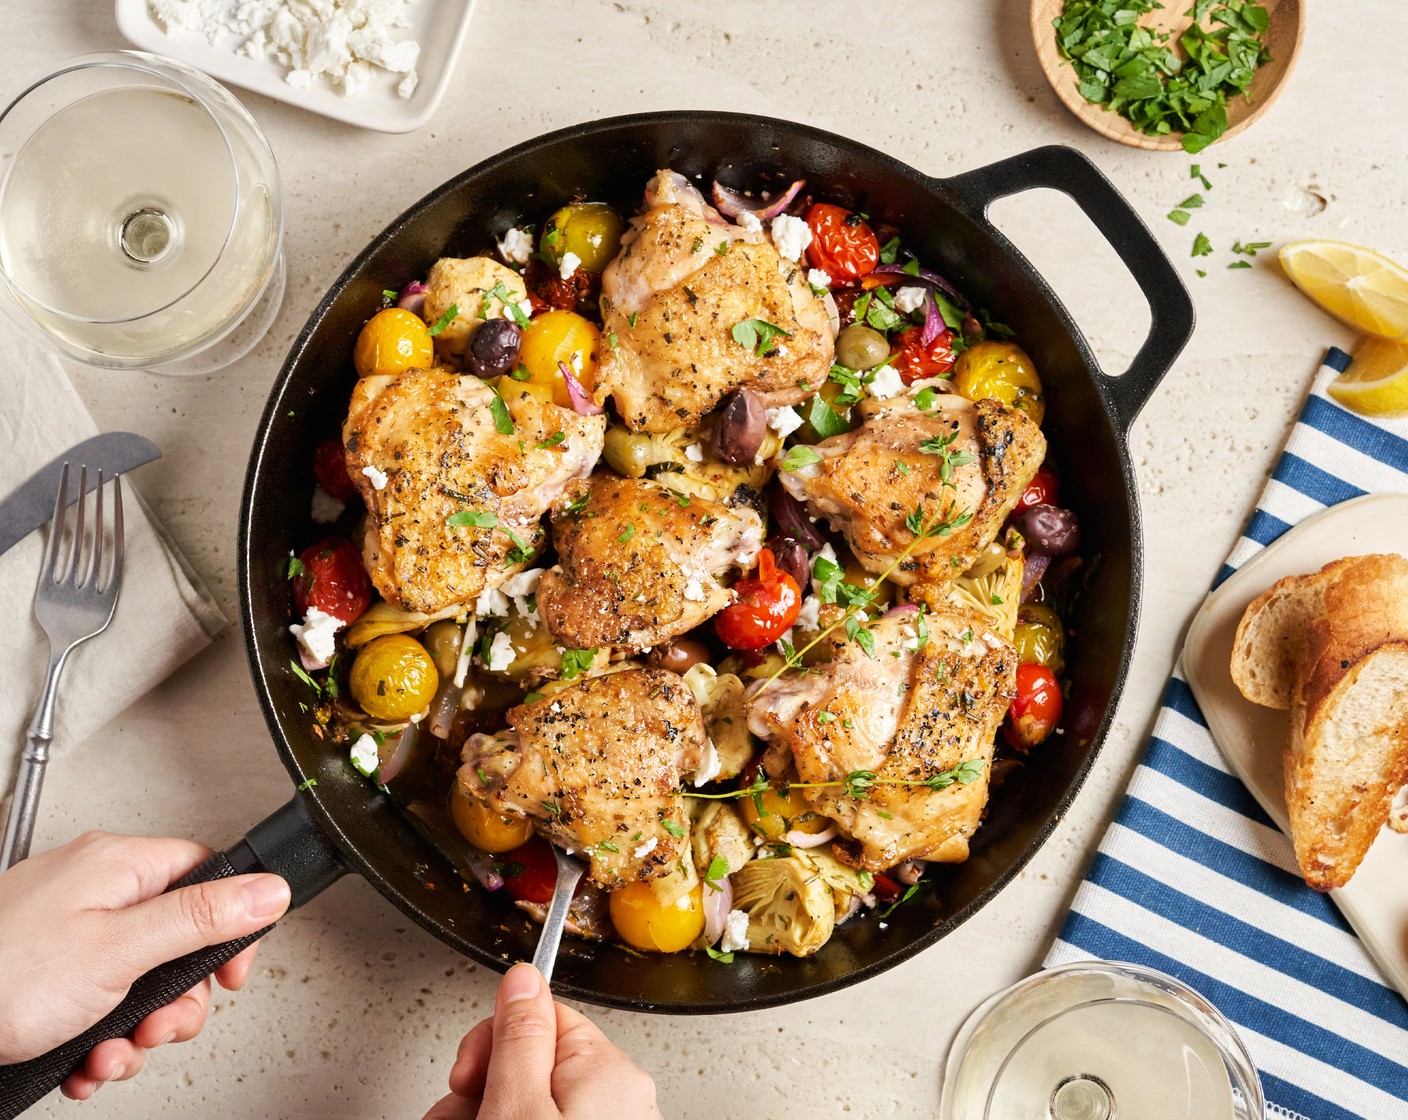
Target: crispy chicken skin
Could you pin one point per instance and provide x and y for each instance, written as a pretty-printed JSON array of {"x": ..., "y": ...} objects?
[
  {"x": 640, "y": 563},
  {"x": 860, "y": 487},
  {"x": 672, "y": 300},
  {"x": 432, "y": 434},
  {"x": 909, "y": 716},
  {"x": 596, "y": 767}
]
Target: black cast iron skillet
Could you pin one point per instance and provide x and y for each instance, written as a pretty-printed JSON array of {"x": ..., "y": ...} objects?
[{"x": 342, "y": 824}]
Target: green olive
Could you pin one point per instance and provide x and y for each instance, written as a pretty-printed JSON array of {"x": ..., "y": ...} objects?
[
  {"x": 860, "y": 347},
  {"x": 627, "y": 453},
  {"x": 828, "y": 392},
  {"x": 1041, "y": 637},
  {"x": 442, "y": 641},
  {"x": 590, "y": 230}
]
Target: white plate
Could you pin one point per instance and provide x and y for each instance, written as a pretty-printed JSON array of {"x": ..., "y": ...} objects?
[
  {"x": 438, "y": 25},
  {"x": 1253, "y": 738}
]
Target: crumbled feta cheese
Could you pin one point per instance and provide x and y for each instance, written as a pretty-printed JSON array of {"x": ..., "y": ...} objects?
[
  {"x": 817, "y": 278},
  {"x": 300, "y": 79},
  {"x": 569, "y": 264},
  {"x": 791, "y": 236},
  {"x": 316, "y": 635},
  {"x": 885, "y": 383},
  {"x": 694, "y": 591},
  {"x": 364, "y": 756},
  {"x": 378, "y": 477},
  {"x": 501, "y": 654},
  {"x": 709, "y": 764},
  {"x": 784, "y": 421},
  {"x": 492, "y": 603},
  {"x": 807, "y": 615},
  {"x": 648, "y": 847},
  {"x": 524, "y": 583},
  {"x": 407, "y": 85},
  {"x": 909, "y": 300},
  {"x": 694, "y": 453},
  {"x": 735, "y": 939},
  {"x": 326, "y": 509},
  {"x": 749, "y": 221},
  {"x": 523, "y": 305},
  {"x": 516, "y": 246}
]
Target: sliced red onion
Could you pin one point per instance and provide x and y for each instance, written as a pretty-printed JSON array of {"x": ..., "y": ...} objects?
[
  {"x": 482, "y": 866},
  {"x": 731, "y": 203},
  {"x": 444, "y": 708},
  {"x": 717, "y": 904},
  {"x": 925, "y": 277},
  {"x": 1037, "y": 563},
  {"x": 933, "y": 321},
  {"x": 412, "y": 297},
  {"x": 853, "y": 904},
  {"x": 909, "y": 871},
  {"x": 800, "y": 839},
  {"x": 791, "y": 517},
  {"x": 582, "y": 402},
  {"x": 902, "y": 608},
  {"x": 310, "y": 663},
  {"x": 395, "y": 753}
]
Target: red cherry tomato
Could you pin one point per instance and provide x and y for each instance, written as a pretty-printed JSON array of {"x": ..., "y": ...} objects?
[
  {"x": 916, "y": 361},
  {"x": 530, "y": 871},
  {"x": 843, "y": 246},
  {"x": 1036, "y": 711},
  {"x": 333, "y": 580},
  {"x": 1042, "y": 490},
  {"x": 885, "y": 888},
  {"x": 764, "y": 607},
  {"x": 330, "y": 469}
]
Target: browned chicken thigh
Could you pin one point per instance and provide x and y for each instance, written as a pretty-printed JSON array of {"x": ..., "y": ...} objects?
[
  {"x": 597, "y": 766},
  {"x": 903, "y": 714},
  {"x": 671, "y": 300},
  {"x": 424, "y": 446},
  {"x": 640, "y": 563},
  {"x": 870, "y": 482}
]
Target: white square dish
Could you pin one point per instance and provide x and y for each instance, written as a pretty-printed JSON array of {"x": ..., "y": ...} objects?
[
  {"x": 1253, "y": 739},
  {"x": 438, "y": 25}
]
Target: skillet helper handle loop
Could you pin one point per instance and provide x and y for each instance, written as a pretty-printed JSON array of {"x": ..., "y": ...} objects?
[{"x": 1171, "y": 308}]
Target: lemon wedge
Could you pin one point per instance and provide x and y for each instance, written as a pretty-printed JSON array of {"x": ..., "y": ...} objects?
[
  {"x": 1376, "y": 382},
  {"x": 1355, "y": 285}
]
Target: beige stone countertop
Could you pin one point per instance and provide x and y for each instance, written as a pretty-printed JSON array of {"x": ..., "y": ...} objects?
[{"x": 355, "y": 1012}]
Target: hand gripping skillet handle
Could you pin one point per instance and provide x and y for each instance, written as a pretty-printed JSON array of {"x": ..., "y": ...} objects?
[
  {"x": 1171, "y": 308},
  {"x": 287, "y": 843}
]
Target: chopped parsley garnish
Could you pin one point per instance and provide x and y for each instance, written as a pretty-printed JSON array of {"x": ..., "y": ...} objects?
[
  {"x": 520, "y": 553},
  {"x": 1202, "y": 247},
  {"x": 575, "y": 662},
  {"x": 311, "y": 782},
  {"x": 390, "y": 295},
  {"x": 758, "y": 335},
  {"x": 824, "y": 419},
  {"x": 627, "y": 533},
  {"x": 824, "y": 717},
  {"x": 1192, "y": 202},
  {"x": 800, "y": 456},
  {"x": 925, "y": 398},
  {"x": 1240, "y": 264},
  {"x": 698, "y": 244},
  {"x": 503, "y": 422},
  {"x": 607, "y": 846},
  {"x": 532, "y": 697},
  {"x": 305, "y": 678},
  {"x": 631, "y": 318},
  {"x": 1250, "y": 248},
  {"x": 1179, "y": 217},
  {"x": 472, "y": 518},
  {"x": 722, "y": 247},
  {"x": 714, "y": 954},
  {"x": 674, "y": 828},
  {"x": 295, "y": 567},
  {"x": 552, "y": 441},
  {"x": 718, "y": 869},
  {"x": 889, "y": 251},
  {"x": 520, "y": 373},
  {"x": 445, "y": 320}
]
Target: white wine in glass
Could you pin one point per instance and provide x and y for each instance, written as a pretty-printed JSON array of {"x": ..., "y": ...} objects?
[
  {"x": 140, "y": 216},
  {"x": 1099, "y": 1040}
]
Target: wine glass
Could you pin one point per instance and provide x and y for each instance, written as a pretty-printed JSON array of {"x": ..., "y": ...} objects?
[
  {"x": 141, "y": 223},
  {"x": 1099, "y": 1040}
]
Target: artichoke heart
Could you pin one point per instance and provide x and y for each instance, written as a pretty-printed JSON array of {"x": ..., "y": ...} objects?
[
  {"x": 996, "y": 593},
  {"x": 720, "y": 700},
  {"x": 789, "y": 905},
  {"x": 668, "y": 458},
  {"x": 382, "y": 618},
  {"x": 719, "y": 832}
]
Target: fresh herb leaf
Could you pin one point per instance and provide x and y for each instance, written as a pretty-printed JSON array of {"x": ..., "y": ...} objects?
[
  {"x": 718, "y": 869},
  {"x": 925, "y": 398},
  {"x": 758, "y": 335},
  {"x": 391, "y": 295},
  {"x": 552, "y": 441},
  {"x": 800, "y": 456},
  {"x": 825, "y": 716},
  {"x": 575, "y": 662},
  {"x": 503, "y": 422},
  {"x": 607, "y": 846},
  {"x": 1179, "y": 217},
  {"x": 1202, "y": 247},
  {"x": 311, "y": 782},
  {"x": 1192, "y": 202},
  {"x": 295, "y": 567},
  {"x": 627, "y": 533},
  {"x": 631, "y": 318},
  {"x": 910, "y": 893},
  {"x": 533, "y": 697},
  {"x": 1240, "y": 264},
  {"x": 698, "y": 244},
  {"x": 520, "y": 553},
  {"x": 674, "y": 828},
  {"x": 305, "y": 678},
  {"x": 889, "y": 251},
  {"x": 445, "y": 320},
  {"x": 720, "y": 249},
  {"x": 824, "y": 419},
  {"x": 472, "y": 518},
  {"x": 714, "y": 954}
]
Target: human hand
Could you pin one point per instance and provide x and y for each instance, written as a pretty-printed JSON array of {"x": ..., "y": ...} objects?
[
  {"x": 79, "y": 924},
  {"x": 534, "y": 1059}
]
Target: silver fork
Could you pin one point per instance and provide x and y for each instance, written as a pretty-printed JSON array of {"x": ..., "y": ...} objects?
[
  {"x": 72, "y": 604},
  {"x": 569, "y": 871}
]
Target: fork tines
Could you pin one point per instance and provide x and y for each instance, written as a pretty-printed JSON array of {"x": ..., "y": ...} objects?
[{"x": 83, "y": 564}]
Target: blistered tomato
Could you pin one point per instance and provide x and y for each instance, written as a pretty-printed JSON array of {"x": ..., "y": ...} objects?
[
  {"x": 330, "y": 469},
  {"x": 556, "y": 337},
  {"x": 393, "y": 677},
  {"x": 645, "y": 922},
  {"x": 843, "y": 246},
  {"x": 331, "y": 578},
  {"x": 764, "y": 607},
  {"x": 1042, "y": 490},
  {"x": 772, "y": 814},
  {"x": 487, "y": 830},
  {"x": 1001, "y": 371},
  {"x": 915, "y": 361},
  {"x": 393, "y": 341},
  {"x": 530, "y": 871},
  {"x": 1036, "y": 711}
]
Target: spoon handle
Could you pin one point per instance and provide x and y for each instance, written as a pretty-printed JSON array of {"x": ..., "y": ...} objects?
[{"x": 569, "y": 871}]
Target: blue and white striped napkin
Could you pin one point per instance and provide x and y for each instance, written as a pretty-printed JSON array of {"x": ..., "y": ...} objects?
[{"x": 1192, "y": 878}]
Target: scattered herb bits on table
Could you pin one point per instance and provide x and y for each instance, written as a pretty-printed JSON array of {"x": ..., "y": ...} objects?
[{"x": 617, "y": 586}]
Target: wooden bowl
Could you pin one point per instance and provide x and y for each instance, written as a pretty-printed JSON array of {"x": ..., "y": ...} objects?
[{"x": 1283, "y": 39}]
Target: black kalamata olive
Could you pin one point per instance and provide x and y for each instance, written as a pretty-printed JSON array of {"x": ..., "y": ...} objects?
[
  {"x": 494, "y": 348},
  {"x": 739, "y": 427},
  {"x": 792, "y": 558},
  {"x": 1049, "y": 529},
  {"x": 679, "y": 655}
]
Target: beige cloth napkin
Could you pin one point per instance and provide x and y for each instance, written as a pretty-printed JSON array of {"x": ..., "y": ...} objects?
[{"x": 164, "y": 615}]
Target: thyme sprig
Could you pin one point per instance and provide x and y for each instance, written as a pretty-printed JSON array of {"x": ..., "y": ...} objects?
[{"x": 857, "y": 784}]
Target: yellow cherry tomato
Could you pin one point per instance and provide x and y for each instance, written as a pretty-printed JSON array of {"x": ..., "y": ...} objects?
[
  {"x": 393, "y": 341},
  {"x": 644, "y": 922},
  {"x": 1002, "y": 371},
  {"x": 560, "y": 336},
  {"x": 393, "y": 677},
  {"x": 590, "y": 230},
  {"x": 487, "y": 830},
  {"x": 781, "y": 814}
]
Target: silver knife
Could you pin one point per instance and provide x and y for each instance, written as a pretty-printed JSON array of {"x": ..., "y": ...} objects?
[{"x": 33, "y": 503}]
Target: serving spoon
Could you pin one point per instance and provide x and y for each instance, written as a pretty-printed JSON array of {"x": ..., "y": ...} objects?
[
  {"x": 569, "y": 873},
  {"x": 1283, "y": 38}
]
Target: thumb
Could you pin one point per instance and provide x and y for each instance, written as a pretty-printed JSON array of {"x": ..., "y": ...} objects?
[
  {"x": 519, "y": 1082},
  {"x": 182, "y": 921}
]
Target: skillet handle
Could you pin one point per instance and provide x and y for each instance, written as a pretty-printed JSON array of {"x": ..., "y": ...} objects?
[
  {"x": 1070, "y": 172},
  {"x": 287, "y": 843}
]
